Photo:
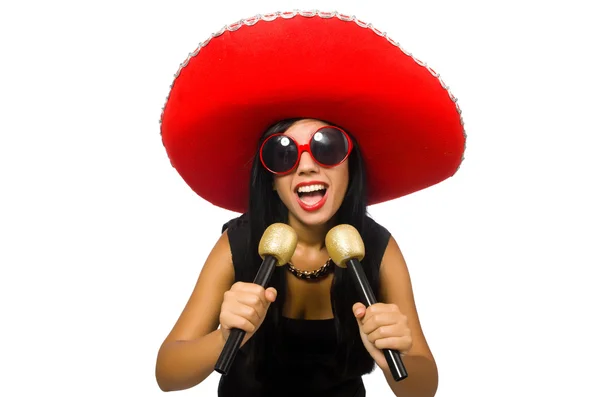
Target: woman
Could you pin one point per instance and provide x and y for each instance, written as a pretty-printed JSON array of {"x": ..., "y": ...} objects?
[{"x": 307, "y": 333}]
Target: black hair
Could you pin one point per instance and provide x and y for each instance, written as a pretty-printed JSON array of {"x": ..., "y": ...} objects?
[{"x": 265, "y": 208}]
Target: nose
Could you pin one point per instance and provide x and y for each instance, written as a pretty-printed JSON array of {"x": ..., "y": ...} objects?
[{"x": 307, "y": 165}]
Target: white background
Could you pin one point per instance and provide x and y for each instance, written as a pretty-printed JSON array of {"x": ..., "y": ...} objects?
[{"x": 101, "y": 241}]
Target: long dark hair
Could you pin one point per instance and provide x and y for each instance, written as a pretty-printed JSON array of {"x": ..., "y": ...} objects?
[{"x": 265, "y": 208}]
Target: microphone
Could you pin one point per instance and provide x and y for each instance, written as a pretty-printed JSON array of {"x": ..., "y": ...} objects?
[
  {"x": 276, "y": 248},
  {"x": 346, "y": 248}
]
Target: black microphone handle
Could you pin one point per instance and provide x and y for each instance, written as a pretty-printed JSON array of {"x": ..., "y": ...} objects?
[
  {"x": 236, "y": 336},
  {"x": 364, "y": 289}
]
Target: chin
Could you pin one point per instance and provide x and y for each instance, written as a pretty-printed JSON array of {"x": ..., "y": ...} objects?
[
  {"x": 320, "y": 217},
  {"x": 313, "y": 219},
  {"x": 315, "y": 214}
]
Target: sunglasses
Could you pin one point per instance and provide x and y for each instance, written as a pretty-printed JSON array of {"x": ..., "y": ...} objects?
[{"x": 328, "y": 146}]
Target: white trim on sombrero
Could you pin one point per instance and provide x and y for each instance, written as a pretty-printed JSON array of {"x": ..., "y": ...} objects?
[{"x": 321, "y": 14}]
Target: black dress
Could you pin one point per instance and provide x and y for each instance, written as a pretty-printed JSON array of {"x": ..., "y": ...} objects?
[{"x": 306, "y": 363}]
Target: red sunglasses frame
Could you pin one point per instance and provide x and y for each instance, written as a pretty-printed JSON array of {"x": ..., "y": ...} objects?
[{"x": 306, "y": 148}]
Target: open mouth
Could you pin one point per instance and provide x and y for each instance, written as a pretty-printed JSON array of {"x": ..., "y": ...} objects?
[{"x": 311, "y": 195}]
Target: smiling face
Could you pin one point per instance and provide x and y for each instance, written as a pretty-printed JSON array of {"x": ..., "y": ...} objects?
[{"x": 312, "y": 193}]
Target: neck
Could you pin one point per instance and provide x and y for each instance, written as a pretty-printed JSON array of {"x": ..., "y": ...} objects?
[{"x": 310, "y": 236}]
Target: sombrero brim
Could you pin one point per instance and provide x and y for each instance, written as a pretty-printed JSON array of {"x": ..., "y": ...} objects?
[{"x": 315, "y": 65}]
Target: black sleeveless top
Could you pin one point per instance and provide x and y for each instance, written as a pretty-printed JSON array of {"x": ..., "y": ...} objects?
[{"x": 306, "y": 363}]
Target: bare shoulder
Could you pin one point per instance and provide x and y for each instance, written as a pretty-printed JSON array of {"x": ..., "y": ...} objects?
[
  {"x": 200, "y": 315},
  {"x": 394, "y": 275},
  {"x": 396, "y": 287}
]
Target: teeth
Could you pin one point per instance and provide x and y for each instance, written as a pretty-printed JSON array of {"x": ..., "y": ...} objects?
[{"x": 310, "y": 188}]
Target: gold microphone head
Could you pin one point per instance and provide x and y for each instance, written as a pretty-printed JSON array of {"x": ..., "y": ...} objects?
[
  {"x": 278, "y": 240},
  {"x": 344, "y": 243}
]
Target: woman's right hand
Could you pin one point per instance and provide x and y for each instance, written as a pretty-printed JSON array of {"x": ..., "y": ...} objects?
[{"x": 244, "y": 307}]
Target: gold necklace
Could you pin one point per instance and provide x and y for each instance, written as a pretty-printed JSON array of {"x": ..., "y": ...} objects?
[{"x": 310, "y": 275}]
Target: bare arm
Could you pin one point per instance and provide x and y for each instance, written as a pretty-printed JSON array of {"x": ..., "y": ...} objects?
[
  {"x": 396, "y": 288},
  {"x": 190, "y": 351}
]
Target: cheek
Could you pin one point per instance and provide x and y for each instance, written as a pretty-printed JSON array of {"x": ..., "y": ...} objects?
[
  {"x": 280, "y": 183},
  {"x": 340, "y": 178}
]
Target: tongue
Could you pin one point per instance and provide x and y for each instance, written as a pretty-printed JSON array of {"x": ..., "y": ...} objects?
[{"x": 312, "y": 197}]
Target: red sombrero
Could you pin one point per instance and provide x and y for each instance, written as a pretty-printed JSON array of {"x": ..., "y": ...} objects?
[{"x": 317, "y": 65}]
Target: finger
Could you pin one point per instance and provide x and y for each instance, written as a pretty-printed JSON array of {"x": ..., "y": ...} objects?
[
  {"x": 248, "y": 287},
  {"x": 230, "y": 320},
  {"x": 271, "y": 294},
  {"x": 378, "y": 320},
  {"x": 248, "y": 312},
  {"x": 378, "y": 308},
  {"x": 401, "y": 344},
  {"x": 258, "y": 301},
  {"x": 387, "y": 331},
  {"x": 359, "y": 310}
]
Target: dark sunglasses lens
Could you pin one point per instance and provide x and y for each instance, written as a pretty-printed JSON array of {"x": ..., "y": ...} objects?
[
  {"x": 329, "y": 146},
  {"x": 279, "y": 153}
]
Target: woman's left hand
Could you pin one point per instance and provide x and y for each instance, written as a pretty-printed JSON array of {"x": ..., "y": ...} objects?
[{"x": 382, "y": 326}]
